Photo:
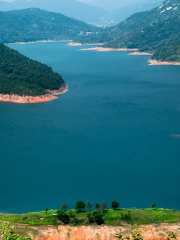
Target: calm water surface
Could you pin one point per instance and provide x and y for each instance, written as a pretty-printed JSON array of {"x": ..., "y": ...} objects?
[{"x": 108, "y": 138}]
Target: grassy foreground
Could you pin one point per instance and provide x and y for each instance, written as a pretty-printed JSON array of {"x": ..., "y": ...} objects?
[{"x": 111, "y": 217}]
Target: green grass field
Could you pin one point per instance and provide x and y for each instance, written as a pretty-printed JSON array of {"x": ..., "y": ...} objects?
[{"x": 111, "y": 217}]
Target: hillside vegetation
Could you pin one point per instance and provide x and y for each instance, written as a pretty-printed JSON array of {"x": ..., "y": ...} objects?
[
  {"x": 23, "y": 76},
  {"x": 155, "y": 31},
  {"x": 35, "y": 24},
  {"x": 109, "y": 217}
]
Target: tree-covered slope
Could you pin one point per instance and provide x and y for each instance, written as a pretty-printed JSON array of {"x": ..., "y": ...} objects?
[
  {"x": 35, "y": 24},
  {"x": 23, "y": 76},
  {"x": 155, "y": 31}
]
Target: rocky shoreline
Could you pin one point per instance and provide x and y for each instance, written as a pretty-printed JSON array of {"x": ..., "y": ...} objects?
[
  {"x": 140, "y": 54},
  {"x": 161, "y": 63},
  {"x": 74, "y": 44},
  {"x": 33, "y": 99},
  {"x": 102, "y": 49}
]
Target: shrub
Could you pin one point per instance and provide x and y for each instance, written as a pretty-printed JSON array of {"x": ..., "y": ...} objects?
[
  {"x": 77, "y": 222},
  {"x": 8, "y": 233},
  {"x": 90, "y": 217},
  {"x": 71, "y": 214},
  {"x": 119, "y": 235},
  {"x": 98, "y": 217},
  {"x": 126, "y": 217},
  {"x": 171, "y": 235},
  {"x": 137, "y": 234},
  {"x": 63, "y": 217}
]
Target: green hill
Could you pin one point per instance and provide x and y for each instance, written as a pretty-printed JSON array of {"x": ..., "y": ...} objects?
[
  {"x": 155, "y": 31},
  {"x": 35, "y": 24},
  {"x": 23, "y": 76}
]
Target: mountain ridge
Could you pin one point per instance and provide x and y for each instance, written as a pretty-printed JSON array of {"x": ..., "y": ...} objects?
[
  {"x": 155, "y": 31},
  {"x": 71, "y": 8},
  {"x": 35, "y": 25}
]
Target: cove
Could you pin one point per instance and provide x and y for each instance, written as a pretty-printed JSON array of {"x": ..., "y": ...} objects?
[{"x": 113, "y": 135}]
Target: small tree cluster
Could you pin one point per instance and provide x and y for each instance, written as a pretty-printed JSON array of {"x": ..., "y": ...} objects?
[
  {"x": 96, "y": 217},
  {"x": 63, "y": 216}
]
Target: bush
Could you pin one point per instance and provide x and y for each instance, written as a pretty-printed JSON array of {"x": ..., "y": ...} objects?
[
  {"x": 63, "y": 217},
  {"x": 98, "y": 217},
  {"x": 91, "y": 218},
  {"x": 8, "y": 233},
  {"x": 126, "y": 217},
  {"x": 137, "y": 234},
  {"x": 77, "y": 222},
  {"x": 71, "y": 214}
]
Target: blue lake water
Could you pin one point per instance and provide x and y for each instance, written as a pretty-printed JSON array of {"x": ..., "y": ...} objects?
[{"x": 109, "y": 137}]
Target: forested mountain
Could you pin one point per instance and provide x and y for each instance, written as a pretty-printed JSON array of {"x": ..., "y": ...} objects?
[
  {"x": 156, "y": 31},
  {"x": 35, "y": 24},
  {"x": 23, "y": 76},
  {"x": 70, "y": 8},
  {"x": 122, "y": 13}
]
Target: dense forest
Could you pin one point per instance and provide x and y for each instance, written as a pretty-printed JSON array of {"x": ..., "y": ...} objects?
[
  {"x": 34, "y": 24},
  {"x": 23, "y": 76},
  {"x": 155, "y": 31}
]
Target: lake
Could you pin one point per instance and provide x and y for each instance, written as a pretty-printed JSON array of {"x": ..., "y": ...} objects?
[{"x": 108, "y": 138}]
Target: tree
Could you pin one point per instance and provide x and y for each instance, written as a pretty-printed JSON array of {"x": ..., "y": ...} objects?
[
  {"x": 115, "y": 204},
  {"x": 97, "y": 206},
  {"x": 103, "y": 206},
  {"x": 46, "y": 210},
  {"x": 80, "y": 205},
  {"x": 153, "y": 205},
  {"x": 89, "y": 205},
  {"x": 8, "y": 233},
  {"x": 63, "y": 216},
  {"x": 64, "y": 207}
]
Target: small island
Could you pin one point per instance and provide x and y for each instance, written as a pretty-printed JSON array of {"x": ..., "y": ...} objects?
[{"x": 23, "y": 80}]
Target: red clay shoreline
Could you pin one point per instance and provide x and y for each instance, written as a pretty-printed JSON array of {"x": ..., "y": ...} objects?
[
  {"x": 161, "y": 63},
  {"x": 33, "y": 99},
  {"x": 102, "y": 49},
  {"x": 133, "y": 50}
]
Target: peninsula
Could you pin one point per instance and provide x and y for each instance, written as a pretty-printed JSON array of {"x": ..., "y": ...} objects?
[
  {"x": 23, "y": 80},
  {"x": 107, "y": 224}
]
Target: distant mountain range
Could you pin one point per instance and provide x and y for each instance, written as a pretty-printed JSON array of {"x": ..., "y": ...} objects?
[
  {"x": 98, "y": 12},
  {"x": 70, "y": 8},
  {"x": 35, "y": 24},
  {"x": 156, "y": 31}
]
